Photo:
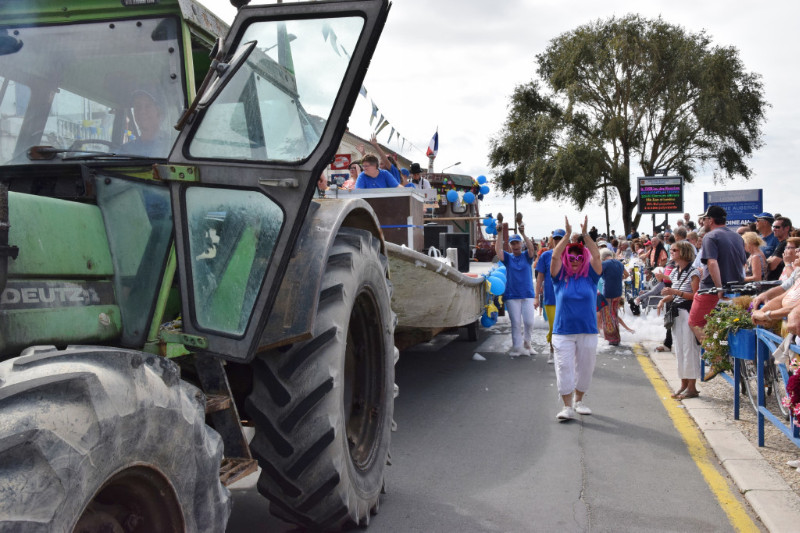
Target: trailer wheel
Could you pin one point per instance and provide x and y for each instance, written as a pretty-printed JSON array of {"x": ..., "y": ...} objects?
[
  {"x": 323, "y": 408},
  {"x": 102, "y": 439},
  {"x": 472, "y": 331}
]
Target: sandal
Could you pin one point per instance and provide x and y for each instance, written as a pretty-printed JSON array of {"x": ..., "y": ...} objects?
[
  {"x": 688, "y": 395},
  {"x": 677, "y": 395},
  {"x": 662, "y": 348}
]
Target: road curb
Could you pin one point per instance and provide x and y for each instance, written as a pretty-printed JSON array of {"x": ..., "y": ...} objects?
[{"x": 772, "y": 499}]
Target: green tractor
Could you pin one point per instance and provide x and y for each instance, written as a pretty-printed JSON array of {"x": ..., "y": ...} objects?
[{"x": 167, "y": 277}]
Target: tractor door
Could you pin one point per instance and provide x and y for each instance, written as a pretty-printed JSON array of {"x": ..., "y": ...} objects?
[{"x": 246, "y": 163}]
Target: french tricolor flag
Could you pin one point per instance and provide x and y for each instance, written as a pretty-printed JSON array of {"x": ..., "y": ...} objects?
[{"x": 433, "y": 146}]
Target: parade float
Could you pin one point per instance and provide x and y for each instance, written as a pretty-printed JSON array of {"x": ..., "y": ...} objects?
[{"x": 432, "y": 294}]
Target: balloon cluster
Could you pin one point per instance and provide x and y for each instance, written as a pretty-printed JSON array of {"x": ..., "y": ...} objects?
[
  {"x": 483, "y": 189},
  {"x": 495, "y": 286},
  {"x": 469, "y": 197},
  {"x": 490, "y": 224}
]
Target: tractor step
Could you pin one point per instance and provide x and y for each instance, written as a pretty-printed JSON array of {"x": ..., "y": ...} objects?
[
  {"x": 217, "y": 402},
  {"x": 235, "y": 468}
]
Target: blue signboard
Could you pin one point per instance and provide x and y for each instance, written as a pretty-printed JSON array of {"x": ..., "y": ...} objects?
[{"x": 740, "y": 205}]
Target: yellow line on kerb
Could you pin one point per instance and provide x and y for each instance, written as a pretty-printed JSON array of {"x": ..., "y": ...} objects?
[{"x": 698, "y": 450}]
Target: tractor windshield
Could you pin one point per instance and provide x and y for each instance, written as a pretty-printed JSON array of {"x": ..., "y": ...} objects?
[
  {"x": 101, "y": 88},
  {"x": 277, "y": 105}
]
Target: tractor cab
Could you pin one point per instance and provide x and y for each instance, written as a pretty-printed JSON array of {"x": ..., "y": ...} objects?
[{"x": 134, "y": 137}]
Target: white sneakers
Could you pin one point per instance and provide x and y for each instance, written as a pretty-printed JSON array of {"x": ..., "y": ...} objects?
[
  {"x": 526, "y": 350},
  {"x": 526, "y": 346},
  {"x": 567, "y": 413},
  {"x": 515, "y": 352}
]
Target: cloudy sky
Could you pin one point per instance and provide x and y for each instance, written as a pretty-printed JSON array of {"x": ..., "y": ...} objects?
[{"x": 453, "y": 64}]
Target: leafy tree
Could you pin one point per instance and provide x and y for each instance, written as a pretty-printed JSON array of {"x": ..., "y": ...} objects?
[{"x": 622, "y": 92}]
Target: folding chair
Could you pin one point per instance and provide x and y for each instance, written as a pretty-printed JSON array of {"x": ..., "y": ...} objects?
[{"x": 651, "y": 303}]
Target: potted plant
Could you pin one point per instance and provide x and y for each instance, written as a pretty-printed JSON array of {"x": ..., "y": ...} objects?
[{"x": 728, "y": 319}]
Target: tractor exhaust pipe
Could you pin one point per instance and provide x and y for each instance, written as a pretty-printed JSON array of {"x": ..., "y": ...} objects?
[{"x": 6, "y": 251}]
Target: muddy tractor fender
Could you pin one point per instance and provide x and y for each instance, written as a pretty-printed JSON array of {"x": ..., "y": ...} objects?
[{"x": 292, "y": 317}]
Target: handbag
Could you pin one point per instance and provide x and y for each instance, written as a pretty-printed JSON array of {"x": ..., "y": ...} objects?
[
  {"x": 670, "y": 312},
  {"x": 671, "y": 308}
]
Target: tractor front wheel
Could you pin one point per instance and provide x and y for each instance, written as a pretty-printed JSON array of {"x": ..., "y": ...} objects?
[{"x": 101, "y": 439}]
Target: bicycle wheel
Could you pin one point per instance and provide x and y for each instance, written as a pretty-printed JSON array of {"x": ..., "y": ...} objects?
[
  {"x": 749, "y": 379},
  {"x": 778, "y": 387}
]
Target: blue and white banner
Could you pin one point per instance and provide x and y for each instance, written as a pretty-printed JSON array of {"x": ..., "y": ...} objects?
[{"x": 739, "y": 205}]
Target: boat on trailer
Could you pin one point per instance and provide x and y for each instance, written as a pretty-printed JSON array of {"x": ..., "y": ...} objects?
[{"x": 429, "y": 295}]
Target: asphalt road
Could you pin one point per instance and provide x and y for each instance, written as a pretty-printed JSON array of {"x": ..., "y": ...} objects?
[{"x": 478, "y": 449}]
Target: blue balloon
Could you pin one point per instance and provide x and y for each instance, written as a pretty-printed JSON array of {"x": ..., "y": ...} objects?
[
  {"x": 498, "y": 286},
  {"x": 498, "y": 274},
  {"x": 469, "y": 197},
  {"x": 485, "y": 189},
  {"x": 452, "y": 196},
  {"x": 481, "y": 179},
  {"x": 487, "y": 322},
  {"x": 491, "y": 230},
  {"x": 501, "y": 268}
]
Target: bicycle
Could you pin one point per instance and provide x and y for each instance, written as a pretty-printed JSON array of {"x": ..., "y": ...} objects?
[{"x": 774, "y": 382}]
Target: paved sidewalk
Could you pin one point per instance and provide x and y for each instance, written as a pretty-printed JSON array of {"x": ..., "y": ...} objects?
[{"x": 775, "y": 503}]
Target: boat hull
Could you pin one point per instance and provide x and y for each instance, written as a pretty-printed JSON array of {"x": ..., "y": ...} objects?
[{"x": 431, "y": 295}]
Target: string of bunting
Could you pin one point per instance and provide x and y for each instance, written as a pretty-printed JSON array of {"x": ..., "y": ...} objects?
[
  {"x": 383, "y": 123},
  {"x": 329, "y": 35}
]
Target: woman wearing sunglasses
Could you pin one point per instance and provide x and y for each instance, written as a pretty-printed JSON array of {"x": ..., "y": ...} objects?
[{"x": 575, "y": 269}]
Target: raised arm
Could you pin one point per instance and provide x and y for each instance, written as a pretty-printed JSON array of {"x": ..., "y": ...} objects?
[
  {"x": 528, "y": 243},
  {"x": 555, "y": 261},
  {"x": 498, "y": 244},
  {"x": 374, "y": 142},
  {"x": 597, "y": 263}
]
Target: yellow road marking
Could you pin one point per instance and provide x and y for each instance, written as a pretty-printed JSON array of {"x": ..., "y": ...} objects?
[{"x": 702, "y": 456}]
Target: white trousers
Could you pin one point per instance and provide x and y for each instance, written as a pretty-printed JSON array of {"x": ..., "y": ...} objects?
[
  {"x": 519, "y": 311},
  {"x": 575, "y": 357},
  {"x": 687, "y": 351}
]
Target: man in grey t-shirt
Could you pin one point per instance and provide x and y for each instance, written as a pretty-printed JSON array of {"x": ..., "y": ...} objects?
[{"x": 724, "y": 259}]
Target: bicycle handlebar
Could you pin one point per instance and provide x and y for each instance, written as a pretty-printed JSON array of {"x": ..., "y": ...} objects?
[{"x": 742, "y": 289}]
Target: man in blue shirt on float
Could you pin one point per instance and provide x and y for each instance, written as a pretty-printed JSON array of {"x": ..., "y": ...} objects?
[{"x": 374, "y": 177}]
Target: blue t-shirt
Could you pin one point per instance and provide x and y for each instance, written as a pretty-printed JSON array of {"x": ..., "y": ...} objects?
[
  {"x": 383, "y": 180},
  {"x": 543, "y": 266},
  {"x": 612, "y": 275},
  {"x": 519, "y": 276},
  {"x": 394, "y": 171},
  {"x": 770, "y": 243},
  {"x": 576, "y": 304}
]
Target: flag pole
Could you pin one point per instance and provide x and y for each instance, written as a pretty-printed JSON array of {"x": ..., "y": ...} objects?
[{"x": 432, "y": 151}]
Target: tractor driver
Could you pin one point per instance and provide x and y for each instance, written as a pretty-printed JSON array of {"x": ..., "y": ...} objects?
[{"x": 148, "y": 114}]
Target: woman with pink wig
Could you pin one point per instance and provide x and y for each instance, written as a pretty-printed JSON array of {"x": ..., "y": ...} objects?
[{"x": 575, "y": 269}]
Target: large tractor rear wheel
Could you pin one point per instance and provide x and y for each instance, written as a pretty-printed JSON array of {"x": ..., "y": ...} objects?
[
  {"x": 323, "y": 409},
  {"x": 100, "y": 439}
]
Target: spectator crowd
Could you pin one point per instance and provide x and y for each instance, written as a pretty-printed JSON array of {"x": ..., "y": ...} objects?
[{"x": 680, "y": 272}]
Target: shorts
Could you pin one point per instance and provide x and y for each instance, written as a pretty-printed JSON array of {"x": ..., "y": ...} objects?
[{"x": 701, "y": 306}]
